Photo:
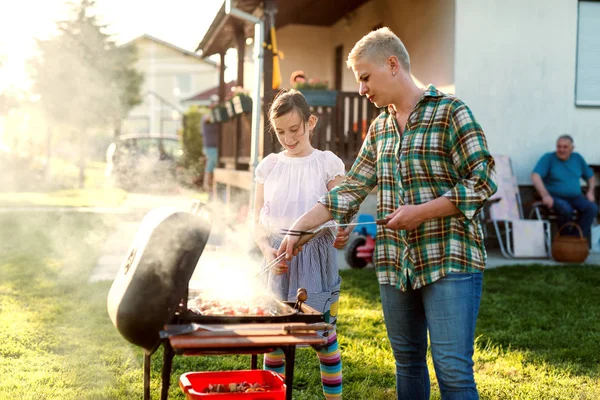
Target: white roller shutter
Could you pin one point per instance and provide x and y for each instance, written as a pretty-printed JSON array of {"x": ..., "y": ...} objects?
[{"x": 587, "y": 90}]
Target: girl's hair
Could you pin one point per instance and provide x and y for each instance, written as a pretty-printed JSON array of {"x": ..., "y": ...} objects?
[
  {"x": 378, "y": 46},
  {"x": 288, "y": 101}
]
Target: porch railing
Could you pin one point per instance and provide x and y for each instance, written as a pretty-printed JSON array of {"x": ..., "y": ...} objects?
[{"x": 341, "y": 129}]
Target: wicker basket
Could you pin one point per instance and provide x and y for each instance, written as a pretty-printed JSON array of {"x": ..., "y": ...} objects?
[{"x": 571, "y": 249}]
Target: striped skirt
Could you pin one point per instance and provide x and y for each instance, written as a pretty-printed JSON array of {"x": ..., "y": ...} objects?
[{"x": 315, "y": 269}]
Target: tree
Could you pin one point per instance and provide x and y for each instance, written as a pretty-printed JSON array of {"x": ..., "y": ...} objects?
[
  {"x": 193, "y": 143},
  {"x": 84, "y": 79}
]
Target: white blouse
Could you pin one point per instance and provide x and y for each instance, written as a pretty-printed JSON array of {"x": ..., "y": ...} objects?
[{"x": 293, "y": 185}]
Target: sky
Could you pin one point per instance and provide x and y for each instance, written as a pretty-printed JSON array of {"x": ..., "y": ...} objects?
[{"x": 180, "y": 22}]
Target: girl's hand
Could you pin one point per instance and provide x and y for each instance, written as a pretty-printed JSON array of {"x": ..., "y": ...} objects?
[
  {"x": 341, "y": 239},
  {"x": 270, "y": 255}
]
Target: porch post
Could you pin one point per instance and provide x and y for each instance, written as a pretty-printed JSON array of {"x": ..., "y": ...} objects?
[
  {"x": 222, "y": 77},
  {"x": 241, "y": 50},
  {"x": 258, "y": 70},
  {"x": 221, "y": 99},
  {"x": 268, "y": 93},
  {"x": 241, "y": 47}
]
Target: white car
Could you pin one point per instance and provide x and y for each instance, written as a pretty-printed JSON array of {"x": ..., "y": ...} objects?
[{"x": 141, "y": 159}]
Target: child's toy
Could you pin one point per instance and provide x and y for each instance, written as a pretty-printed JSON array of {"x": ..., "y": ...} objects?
[{"x": 359, "y": 251}]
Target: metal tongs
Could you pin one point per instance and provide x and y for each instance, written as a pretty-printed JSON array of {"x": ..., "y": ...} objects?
[
  {"x": 306, "y": 236},
  {"x": 293, "y": 232},
  {"x": 301, "y": 242}
]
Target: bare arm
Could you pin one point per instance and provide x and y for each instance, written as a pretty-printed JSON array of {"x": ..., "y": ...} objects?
[
  {"x": 343, "y": 234},
  {"x": 259, "y": 232},
  {"x": 538, "y": 184},
  {"x": 334, "y": 182},
  {"x": 590, "y": 191}
]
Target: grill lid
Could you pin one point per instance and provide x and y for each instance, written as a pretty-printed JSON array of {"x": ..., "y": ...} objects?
[{"x": 155, "y": 274}]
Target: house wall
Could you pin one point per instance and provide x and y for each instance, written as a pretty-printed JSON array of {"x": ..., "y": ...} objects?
[
  {"x": 312, "y": 49},
  {"x": 515, "y": 67},
  {"x": 161, "y": 66},
  {"x": 306, "y": 48}
]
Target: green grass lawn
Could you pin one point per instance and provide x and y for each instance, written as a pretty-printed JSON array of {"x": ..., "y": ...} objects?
[
  {"x": 538, "y": 331},
  {"x": 96, "y": 193}
]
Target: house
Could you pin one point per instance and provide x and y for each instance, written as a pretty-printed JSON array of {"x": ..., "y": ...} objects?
[
  {"x": 171, "y": 74},
  {"x": 207, "y": 97},
  {"x": 529, "y": 70}
]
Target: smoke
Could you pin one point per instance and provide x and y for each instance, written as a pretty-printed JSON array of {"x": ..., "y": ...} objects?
[
  {"x": 228, "y": 266},
  {"x": 231, "y": 263}
]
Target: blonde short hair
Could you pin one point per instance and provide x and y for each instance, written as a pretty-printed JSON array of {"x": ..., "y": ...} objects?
[{"x": 378, "y": 46}]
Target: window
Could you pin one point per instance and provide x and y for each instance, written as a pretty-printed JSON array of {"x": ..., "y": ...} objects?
[
  {"x": 587, "y": 84},
  {"x": 184, "y": 83}
]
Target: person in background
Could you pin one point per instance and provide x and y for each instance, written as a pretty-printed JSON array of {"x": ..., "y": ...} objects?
[
  {"x": 210, "y": 132},
  {"x": 287, "y": 184},
  {"x": 428, "y": 158},
  {"x": 556, "y": 177},
  {"x": 297, "y": 77}
]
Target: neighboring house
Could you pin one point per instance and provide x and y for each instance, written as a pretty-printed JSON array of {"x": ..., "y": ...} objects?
[
  {"x": 171, "y": 74},
  {"x": 207, "y": 97},
  {"x": 529, "y": 70}
]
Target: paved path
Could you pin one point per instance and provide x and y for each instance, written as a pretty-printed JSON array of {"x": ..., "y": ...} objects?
[{"x": 134, "y": 208}]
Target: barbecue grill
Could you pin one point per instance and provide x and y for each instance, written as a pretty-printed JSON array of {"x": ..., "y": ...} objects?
[{"x": 148, "y": 302}]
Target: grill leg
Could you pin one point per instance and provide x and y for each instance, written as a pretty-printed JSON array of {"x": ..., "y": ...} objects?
[
  {"x": 166, "y": 370},
  {"x": 146, "y": 376},
  {"x": 290, "y": 356}
]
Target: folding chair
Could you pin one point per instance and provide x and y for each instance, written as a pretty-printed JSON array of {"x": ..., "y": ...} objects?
[{"x": 518, "y": 237}]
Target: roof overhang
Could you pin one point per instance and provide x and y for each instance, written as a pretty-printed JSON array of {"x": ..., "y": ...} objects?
[{"x": 221, "y": 34}]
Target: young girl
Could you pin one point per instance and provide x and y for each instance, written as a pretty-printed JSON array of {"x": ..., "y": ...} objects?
[{"x": 288, "y": 184}]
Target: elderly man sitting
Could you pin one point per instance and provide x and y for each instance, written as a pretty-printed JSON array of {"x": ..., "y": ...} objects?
[{"x": 556, "y": 178}]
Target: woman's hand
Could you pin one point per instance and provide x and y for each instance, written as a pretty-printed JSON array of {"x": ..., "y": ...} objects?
[
  {"x": 341, "y": 239},
  {"x": 406, "y": 217},
  {"x": 287, "y": 246}
]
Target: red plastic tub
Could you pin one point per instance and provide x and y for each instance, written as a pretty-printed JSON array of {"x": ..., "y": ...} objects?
[{"x": 193, "y": 385}]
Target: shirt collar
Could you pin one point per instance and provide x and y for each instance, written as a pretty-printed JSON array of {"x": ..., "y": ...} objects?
[{"x": 428, "y": 91}]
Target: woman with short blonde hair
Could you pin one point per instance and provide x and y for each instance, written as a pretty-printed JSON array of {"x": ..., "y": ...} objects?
[{"x": 429, "y": 160}]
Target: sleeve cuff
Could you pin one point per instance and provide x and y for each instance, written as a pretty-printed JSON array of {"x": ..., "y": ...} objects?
[{"x": 464, "y": 201}]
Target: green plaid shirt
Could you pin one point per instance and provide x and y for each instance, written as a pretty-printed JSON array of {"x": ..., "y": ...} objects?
[{"x": 443, "y": 152}]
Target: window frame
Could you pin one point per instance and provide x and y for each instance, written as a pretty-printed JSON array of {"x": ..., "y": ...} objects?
[
  {"x": 178, "y": 78},
  {"x": 582, "y": 103}
]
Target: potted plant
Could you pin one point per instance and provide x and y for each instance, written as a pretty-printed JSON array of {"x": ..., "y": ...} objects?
[
  {"x": 317, "y": 92},
  {"x": 241, "y": 101},
  {"x": 219, "y": 113},
  {"x": 229, "y": 108}
]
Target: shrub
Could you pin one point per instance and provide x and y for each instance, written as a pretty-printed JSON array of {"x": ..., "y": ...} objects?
[{"x": 192, "y": 140}]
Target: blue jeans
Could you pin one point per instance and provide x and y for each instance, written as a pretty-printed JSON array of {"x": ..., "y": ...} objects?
[
  {"x": 448, "y": 308},
  {"x": 212, "y": 157},
  {"x": 586, "y": 212}
]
